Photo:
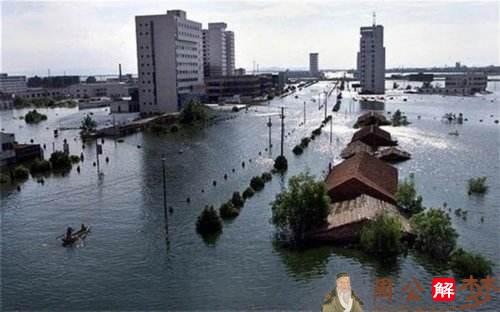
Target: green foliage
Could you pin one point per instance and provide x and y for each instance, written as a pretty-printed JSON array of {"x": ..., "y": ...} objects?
[
  {"x": 74, "y": 159},
  {"x": 477, "y": 185},
  {"x": 174, "y": 128},
  {"x": 249, "y": 192},
  {"x": 281, "y": 163},
  {"x": 297, "y": 150},
  {"x": 21, "y": 173},
  {"x": 20, "y": 102},
  {"x": 406, "y": 197},
  {"x": 302, "y": 207},
  {"x": 157, "y": 128},
  {"x": 434, "y": 234},
  {"x": 194, "y": 111},
  {"x": 257, "y": 183},
  {"x": 228, "y": 210},
  {"x": 398, "y": 119},
  {"x": 34, "y": 117},
  {"x": 40, "y": 166},
  {"x": 382, "y": 236},
  {"x": 4, "y": 178},
  {"x": 237, "y": 200},
  {"x": 208, "y": 222},
  {"x": 316, "y": 131},
  {"x": 266, "y": 176},
  {"x": 235, "y": 109},
  {"x": 88, "y": 124},
  {"x": 91, "y": 79},
  {"x": 464, "y": 264},
  {"x": 60, "y": 160},
  {"x": 305, "y": 142}
]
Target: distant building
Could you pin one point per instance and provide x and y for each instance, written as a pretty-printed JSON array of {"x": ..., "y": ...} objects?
[
  {"x": 6, "y": 101},
  {"x": 218, "y": 50},
  {"x": 313, "y": 64},
  {"x": 12, "y": 84},
  {"x": 246, "y": 87},
  {"x": 7, "y": 152},
  {"x": 99, "y": 89},
  {"x": 374, "y": 137},
  {"x": 37, "y": 93},
  {"x": 371, "y": 60},
  {"x": 169, "y": 61},
  {"x": 467, "y": 84},
  {"x": 240, "y": 72},
  {"x": 52, "y": 82}
]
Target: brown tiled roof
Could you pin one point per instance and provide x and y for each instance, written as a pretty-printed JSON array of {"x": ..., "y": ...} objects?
[
  {"x": 373, "y": 136},
  {"x": 372, "y": 118},
  {"x": 355, "y": 147},
  {"x": 376, "y": 177}
]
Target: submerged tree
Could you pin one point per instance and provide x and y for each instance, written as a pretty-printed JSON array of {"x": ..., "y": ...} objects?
[
  {"x": 194, "y": 111},
  {"x": 382, "y": 236},
  {"x": 464, "y": 264},
  {"x": 477, "y": 185},
  {"x": 301, "y": 208},
  {"x": 406, "y": 196},
  {"x": 88, "y": 124}
]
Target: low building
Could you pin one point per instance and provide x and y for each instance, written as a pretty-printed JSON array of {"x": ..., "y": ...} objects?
[
  {"x": 371, "y": 119},
  {"x": 466, "y": 84},
  {"x": 38, "y": 93},
  {"x": 6, "y": 101},
  {"x": 373, "y": 136},
  {"x": 7, "y": 152},
  {"x": 362, "y": 174},
  {"x": 355, "y": 147},
  {"x": 221, "y": 88},
  {"x": 12, "y": 84},
  {"x": 346, "y": 218},
  {"x": 26, "y": 152},
  {"x": 99, "y": 89}
]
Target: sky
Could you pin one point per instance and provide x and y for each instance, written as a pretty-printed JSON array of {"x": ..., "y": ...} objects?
[{"x": 92, "y": 37}]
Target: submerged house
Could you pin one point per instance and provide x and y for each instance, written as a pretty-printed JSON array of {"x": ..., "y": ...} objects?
[
  {"x": 373, "y": 136},
  {"x": 371, "y": 119},
  {"x": 362, "y": 174},
  {"x": 393, "y": 154},
  {"x": 355, "y": 147}
]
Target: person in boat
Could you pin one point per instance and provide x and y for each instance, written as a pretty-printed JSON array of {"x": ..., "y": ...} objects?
[{"x": 69, "y": 231}]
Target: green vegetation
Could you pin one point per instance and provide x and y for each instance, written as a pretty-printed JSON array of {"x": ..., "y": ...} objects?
[
  {"x": 34, "y": 117},
  {"x": 398, "y": 119},
  {"x": 174, "y": 128},
  {"x": 305, "y": 142},
  {"x": 208, "y": 222},
  {"x": 281, "y": 163},
  {"x": 477, "y": 185},
  {"x": 88, "y": 124},
  {"x": 266, "y": 176},
  {"x": 90, "y": 79},
  {"x": 228, "y": 210},
  {"x": 297, "y": 150},
  {"x": 60, "y": 161},
  {"x": 193, "y": 112},
  {"x": 257, "y": 183},
  {"x": 21, "y": 173},
  {"x": 74, "y": 159},
  {"x": 4, "y": 178},
  {"x": 434, "y": 234},
  {"x": 382, "y": 236},
  {"x": 157, "y": 128},
  {"x": 237, "y": 200},
  {"x": 464, "y": 264},
  {"x": 406, "y": 197},
  {"x": 40, "y": 166},
  {"x": 249, "y": 192},
  {"x": 301, "y": 208},
  {"x": 235, "y": 109},
  {"x": 316, "y": 131},
  {"x": 42, "y": 103}
]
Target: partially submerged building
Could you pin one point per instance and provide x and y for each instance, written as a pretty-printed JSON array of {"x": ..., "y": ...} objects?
[
  {"x": 374, "y": 136},
  {"x": 371, "y": 119},
  {"x": 355, "y": 147}
]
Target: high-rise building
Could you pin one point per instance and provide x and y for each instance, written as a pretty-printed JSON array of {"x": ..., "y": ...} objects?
[
  {"x": 169, "y": 61},
  {"x": 371, "y": 60},
  {"x": 218, "y": 50},
  {"x": 313, "y": 64}
]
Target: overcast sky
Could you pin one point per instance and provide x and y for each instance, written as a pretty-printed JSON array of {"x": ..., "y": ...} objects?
[{"x": 92, "y": 37}]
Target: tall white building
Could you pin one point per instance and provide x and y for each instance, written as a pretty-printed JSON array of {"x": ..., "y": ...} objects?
[
  {"x": 169, "y": 61},
  {"x": 313, "y": 64},
  {"x": 371, "y": 60},
  {"x": 12, "y": 84},
  {"x": 218, "y": 50}
]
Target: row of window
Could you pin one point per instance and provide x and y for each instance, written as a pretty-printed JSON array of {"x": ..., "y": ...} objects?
[
  {"x": 187, "y": 55},
  {"x": 187, "y": 71},
  {"x": 187, "y": 63},
  {"x": 183, "y": 33}
]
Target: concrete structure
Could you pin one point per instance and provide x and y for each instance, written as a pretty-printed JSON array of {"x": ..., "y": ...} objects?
[
  {"x": 240, "y": 72},
  {"x": 98, "y": 89},
  {"x": 52, "y": 82},
  {"x": 467, "y": 83},
  {"x": 7, "y": 152},
  {"x": 169, "y": 61},
  {"x": 12, "y": 84},
  {"x": 313, "y": 64},
  {"x": 37, "y": 93},
  {"x": 218, "y": 50},
  {"x": 6, "y": 101},
  {"x": 371, "y": 60},
  {"x": 248, "y": 86}
]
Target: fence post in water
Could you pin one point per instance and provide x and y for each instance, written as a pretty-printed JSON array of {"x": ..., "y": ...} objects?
[
  {"x": 269, "y": 125},
  {"x": 282, "y": 116}
]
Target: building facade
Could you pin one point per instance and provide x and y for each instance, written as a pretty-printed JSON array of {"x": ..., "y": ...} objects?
[
  {"x": 12, "y": 84},
  {"x": 245, "y": 87},
  {"x": 467, "y": 84},
  {"x": 169, "y": 61},
  {"x": 313, "y": 64},
  {"x": 218, "y": 50},
  {"x": 7, "y": 152},
  {"x": 371, "y": 60}
]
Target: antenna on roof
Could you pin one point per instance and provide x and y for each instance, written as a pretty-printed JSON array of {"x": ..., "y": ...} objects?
[{"x": 374, "y": 18}]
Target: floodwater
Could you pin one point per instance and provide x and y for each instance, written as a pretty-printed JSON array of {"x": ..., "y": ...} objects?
[{"x": 129, "y": 262}]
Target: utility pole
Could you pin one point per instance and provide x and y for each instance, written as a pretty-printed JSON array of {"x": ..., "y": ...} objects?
[
  {"x": 98, "y": 148},
  {"x": 164, "y": 193},
  {"x": 331, "y": 130},
  {"x": 282, "y": 128},
  {"x": 304, "y": 113},
  {"x": 326, "y": 102},
  {"x": 269, "y": 125}
]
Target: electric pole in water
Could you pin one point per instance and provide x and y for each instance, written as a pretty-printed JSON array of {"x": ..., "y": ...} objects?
[
  {"x": 304, "y": 113},
  {"x": 269, "y": 125},
  {"x": 326, "y": 102},
  {"x": 97, "y": 150},
  {"x": 164, "y": 192},
  {"x": 282, "y": 128},
  {"x": 331, "y": 129}
]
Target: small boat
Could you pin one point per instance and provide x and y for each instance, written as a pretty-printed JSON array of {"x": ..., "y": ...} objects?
[{"x": 75, "y": 237}]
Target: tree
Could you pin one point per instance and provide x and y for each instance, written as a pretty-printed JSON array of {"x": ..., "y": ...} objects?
[
  {"x": 301, "y": 208},
  {"x": 464, "y": 264},
  {"x": 237, "y": 200},
  {"x": 434, "y": 234},
  {"x": 21, "y": 173},
  {"x": 281, "y": 163},
  {"x": 406, "y": 196},
  {"x": 194, "y": 111},
  {"x": 208, "y": 222},
  {"x": 60, "y": 161},
  {"x": 34, "y": 117},
  {"x": 477, "y": 185},
  {"x": 228, "y": 211},
  {"x": 91, "y": 79},
  {"x": 257, "y": 183},
  {"x": 88, "y": 124},
  {"x": 382, "y": 236}
]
